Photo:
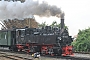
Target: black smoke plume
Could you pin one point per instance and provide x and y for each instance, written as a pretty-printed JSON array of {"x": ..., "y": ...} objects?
[{"x": 29, "y": 7}]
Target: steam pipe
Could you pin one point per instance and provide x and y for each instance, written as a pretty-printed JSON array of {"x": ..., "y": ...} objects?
[{"x": 62, "y": 21}]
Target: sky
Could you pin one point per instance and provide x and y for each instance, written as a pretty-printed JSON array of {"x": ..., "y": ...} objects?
[{"x": 77, "y": 14}]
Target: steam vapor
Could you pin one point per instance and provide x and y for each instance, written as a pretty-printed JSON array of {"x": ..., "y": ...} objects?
[{"x": 29, "y": 7}]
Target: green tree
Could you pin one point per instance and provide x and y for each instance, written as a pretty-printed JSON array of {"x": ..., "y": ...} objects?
[
  {"x": 82, "y": 42},
  {"x": 43, "y": 24},
  {"x": 54, "y": 24}
]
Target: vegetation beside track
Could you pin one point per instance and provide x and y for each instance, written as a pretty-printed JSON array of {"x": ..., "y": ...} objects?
[{"x": 82, "y": 42}]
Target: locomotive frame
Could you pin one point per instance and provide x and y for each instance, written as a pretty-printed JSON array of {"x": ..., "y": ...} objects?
[{"x": 45, "y": 40}]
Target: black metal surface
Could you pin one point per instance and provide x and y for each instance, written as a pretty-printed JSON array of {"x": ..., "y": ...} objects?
[
  {"x": 40, "y": 39},
  {"x": 46, "y": 35},
  {"x": 62, "y": 23}
]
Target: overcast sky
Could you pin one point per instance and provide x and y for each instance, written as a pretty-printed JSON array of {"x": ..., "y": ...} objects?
[{"x": 77, "y": 14}]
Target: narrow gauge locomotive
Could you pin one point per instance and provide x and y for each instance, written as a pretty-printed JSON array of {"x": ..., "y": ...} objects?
[{"x": 46, "y": 40}]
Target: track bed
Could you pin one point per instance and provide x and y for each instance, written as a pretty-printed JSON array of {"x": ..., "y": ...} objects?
[{"x": 8, "y": 55}]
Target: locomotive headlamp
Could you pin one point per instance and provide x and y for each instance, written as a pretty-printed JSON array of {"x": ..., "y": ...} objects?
[{"x": 59, "y": 38}]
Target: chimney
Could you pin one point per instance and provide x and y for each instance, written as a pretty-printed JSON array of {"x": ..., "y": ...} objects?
[{"x": 62, "y": 21}]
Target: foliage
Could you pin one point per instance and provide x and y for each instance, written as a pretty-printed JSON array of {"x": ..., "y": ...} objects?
[
  {"x": 43, "y": 24},
  {"x": 82, "y": 42},
  {"x": 54, "y": 24}
]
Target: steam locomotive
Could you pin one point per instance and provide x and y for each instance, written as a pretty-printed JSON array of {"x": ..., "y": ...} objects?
[{"x": 45, "y": 40}]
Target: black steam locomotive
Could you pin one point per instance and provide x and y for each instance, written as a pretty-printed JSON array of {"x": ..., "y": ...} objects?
[{"x": 46, "y": 40}]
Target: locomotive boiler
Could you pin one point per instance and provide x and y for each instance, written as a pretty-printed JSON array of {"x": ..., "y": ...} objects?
[{"x": 45, "y": 40}]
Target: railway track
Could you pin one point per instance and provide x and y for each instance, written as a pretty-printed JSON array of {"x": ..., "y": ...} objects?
[
  {"x": 83, "y": 52},
  {"x": 70, "y": 57},
  {"x": 10, "y": 55},
  {"x": 13, "y": 56}
]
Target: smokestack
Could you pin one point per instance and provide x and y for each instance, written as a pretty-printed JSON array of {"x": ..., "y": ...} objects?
[{"x": 62, "y": 20}]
